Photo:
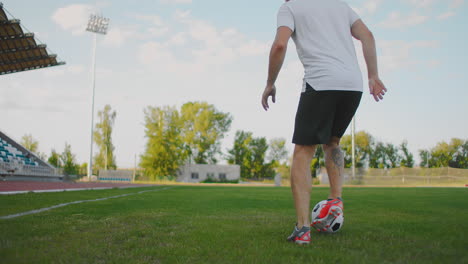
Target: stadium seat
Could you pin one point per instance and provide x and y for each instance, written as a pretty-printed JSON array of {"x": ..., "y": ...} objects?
[{"x": 11, "y": 154}]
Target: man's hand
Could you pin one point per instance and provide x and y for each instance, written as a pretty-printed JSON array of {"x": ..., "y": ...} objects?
[
  {"x": 377, "y": 88},
  {"x": 270, "y": 90}
]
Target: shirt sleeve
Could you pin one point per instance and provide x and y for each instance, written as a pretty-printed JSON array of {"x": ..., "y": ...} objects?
[
  {"x": 352, "y": 15},
  {"x": 285, "y": 18}
]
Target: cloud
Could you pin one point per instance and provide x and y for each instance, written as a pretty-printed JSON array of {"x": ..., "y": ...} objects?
[
  {"x": 158, "y": 32},
  {"x": 368, "y": 8},
  {"x": 451, "y": 4},
  {"x": 397, "y": 54},
  {"x": 422, "y": 3},
  {"x": 178, "y": 39},
  {"x": 182, "y": 16},
  {"x": 63, "y": 70},
  {"x": 154, "y": 27},
  {"x": 153, "y": 19},
  {"x": 397, "y": 20},
  {"x": 456, "y": 4},
  {"x": 199, "y": 45},
  {"x": 117, "y": 36},
  {"x": 176, "y": 1},
  {"x": 446, "y": 15},
  {"x": 48, "y": 95},
  {"x": 253, "y": 47},
  {"x": 73, "y": 18}
]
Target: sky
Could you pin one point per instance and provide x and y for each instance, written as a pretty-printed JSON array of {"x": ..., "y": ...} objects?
[{"x": 169, "y": 52}]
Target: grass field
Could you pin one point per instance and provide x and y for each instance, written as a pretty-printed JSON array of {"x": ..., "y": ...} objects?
[{"x": 191, "y": 224}]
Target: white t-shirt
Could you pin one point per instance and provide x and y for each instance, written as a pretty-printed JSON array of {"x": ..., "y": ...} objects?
[{"x": 322, "y": 33}]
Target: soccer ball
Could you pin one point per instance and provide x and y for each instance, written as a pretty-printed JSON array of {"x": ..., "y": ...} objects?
[{"x": 335, "y": 223}]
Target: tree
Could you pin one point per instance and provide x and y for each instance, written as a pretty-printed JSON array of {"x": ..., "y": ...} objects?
[
  {"x": 203, "y": 128},
  {"x": 363, "y": 144},
  {"x": 453, "y": 154},
  {"x": 460, "y": 159},
  {"x": 54, "y": 159},
  {"x": 249, "y": 153},
  {"x": 278, "y": 152},
  {"x": 165, "y": 150},
  {"x": 105, "y": 158},
  {"x": 377, "y": 157},
  {"x": 318, "y": 161},
  {"x": 68, "y": 160},
  {"x": 260, "y": 169},
  {"x": 392, "y": 156},
  {"x": 30, "y": 143},
  {"x": 407, "y": 159},
  {"x": 425, "y": 156},
  {"x": 83, "y": 169},
  {"x": 240, "y": 153}
]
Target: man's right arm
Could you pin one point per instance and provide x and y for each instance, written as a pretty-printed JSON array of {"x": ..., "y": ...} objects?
[{"x": 360, "y": 31}]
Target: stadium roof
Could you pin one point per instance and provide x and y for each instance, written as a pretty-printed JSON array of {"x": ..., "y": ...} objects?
[{"x": 19, "y": 50}]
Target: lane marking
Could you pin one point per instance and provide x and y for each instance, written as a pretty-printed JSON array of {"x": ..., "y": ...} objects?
[{"x": 76, "y": 202}]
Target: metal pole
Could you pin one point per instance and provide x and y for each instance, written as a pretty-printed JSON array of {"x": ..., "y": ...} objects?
[
  {"x": 353, "y": 128},
  {"x": 106, "y": 158},
  {"x": 134, "y": 169},
  {"x": 93, "y": 84}
]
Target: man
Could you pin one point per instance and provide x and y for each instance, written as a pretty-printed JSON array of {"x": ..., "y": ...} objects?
[{"x": 322, "y": 31}]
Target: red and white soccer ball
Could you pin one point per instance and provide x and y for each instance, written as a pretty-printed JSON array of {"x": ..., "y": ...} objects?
[{"x": 335, "y": 225}]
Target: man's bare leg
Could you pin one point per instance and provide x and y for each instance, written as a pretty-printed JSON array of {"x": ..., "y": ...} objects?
[
  {"x": 301, "y": 182},
  {"x": 334, "y": 161}
]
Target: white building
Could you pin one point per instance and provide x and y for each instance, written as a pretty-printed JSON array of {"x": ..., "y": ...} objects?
[{"x": 200, "y": 172}]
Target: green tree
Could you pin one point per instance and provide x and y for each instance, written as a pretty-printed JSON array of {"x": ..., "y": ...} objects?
[
  {"x": 425, "y": 156},
  {"x": 377, "y": 156},
  {"x": 392, "y": 155},
  {"x": 240, "y": 153},
  {"x": 105, "y": 158},
  {"x": 260, "y": 168},
  {"x": 317, "y": 162},
  {"x": 278, "y": 153},
  {"x": 83, "y": 170},
  {"x": 68, "y": 160},
  {"x": 30, "y": 143},
  {"x": 165, "y": 150},
  {"x": 407, "y": 159},
  {"x": 441, "y": 155},
  {"x": 363, "y": 144},
  {"x": 453, "y": 154},
  {"x": 250, "y": 154},
  {"x": 460, "y": 159},
  {"x": 54, "y": 159},
  {"x": 203, "y": 128}
]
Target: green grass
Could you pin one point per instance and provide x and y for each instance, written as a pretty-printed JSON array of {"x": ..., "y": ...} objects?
[{"x": 192, "y": 224}]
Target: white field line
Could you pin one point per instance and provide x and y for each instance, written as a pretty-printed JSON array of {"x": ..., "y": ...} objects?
[
  {"x": 76, "y": 202},
  {"x": 70, "y": 190}
]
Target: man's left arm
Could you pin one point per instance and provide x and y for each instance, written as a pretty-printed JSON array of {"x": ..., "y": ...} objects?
[{"x": 277, "y": 55}]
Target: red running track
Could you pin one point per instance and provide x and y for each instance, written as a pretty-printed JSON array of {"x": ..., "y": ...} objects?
[{"x": 19, "y": 186}]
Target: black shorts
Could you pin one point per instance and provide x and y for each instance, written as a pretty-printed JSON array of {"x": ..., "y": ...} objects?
[{"x": 324, "y": 114}]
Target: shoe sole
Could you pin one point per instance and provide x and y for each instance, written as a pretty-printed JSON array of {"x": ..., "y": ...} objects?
[
  {"x": 300, "y": 242},
  {"x": 323, "y": 224}
]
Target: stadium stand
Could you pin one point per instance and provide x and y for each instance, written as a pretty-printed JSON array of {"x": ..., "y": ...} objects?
[
  {"x": 18, "y": 163},
  {"x": 19, "y": 50}
]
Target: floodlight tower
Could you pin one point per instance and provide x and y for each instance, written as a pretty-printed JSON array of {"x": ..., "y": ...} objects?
[{"x": 97, "y": 25}]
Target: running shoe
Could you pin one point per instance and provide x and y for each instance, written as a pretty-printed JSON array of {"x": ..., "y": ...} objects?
[{"x": 300, "y": 236}]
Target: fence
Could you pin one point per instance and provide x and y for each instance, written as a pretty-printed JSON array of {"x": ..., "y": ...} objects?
[{"x": 404, "y": 176}]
